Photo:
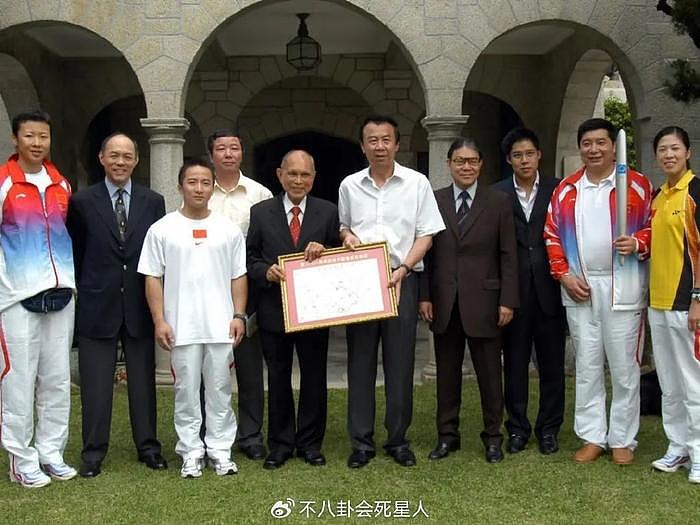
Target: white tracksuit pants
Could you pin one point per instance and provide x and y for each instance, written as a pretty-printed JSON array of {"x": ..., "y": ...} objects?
[
  {"x": 678, "y": 369},
  {"x": 213, "y": 362},
  {"x": 597, "y": 333},
  {"x": 35, "y": 371}
]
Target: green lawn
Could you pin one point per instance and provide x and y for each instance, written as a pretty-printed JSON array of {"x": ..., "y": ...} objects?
[{"x": 526, "y": 488}]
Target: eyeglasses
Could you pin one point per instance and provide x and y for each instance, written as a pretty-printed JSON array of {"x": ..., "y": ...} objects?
[
  {"x": 461, "y": 161},
  {"x": 520, "y": 155}
]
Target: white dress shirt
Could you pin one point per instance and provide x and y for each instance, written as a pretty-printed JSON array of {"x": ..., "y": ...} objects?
[
  {"x": 403, "y": 209},
  {"x": 595, "y": 225},
  {"x": 288, "y": 205},
  {"x": 236, "y": 202},
  {"x": 527, "y": 202}
]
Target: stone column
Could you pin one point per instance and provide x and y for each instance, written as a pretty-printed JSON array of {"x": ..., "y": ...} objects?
[
  {"x": 166, "y": 139},
  {"x": 442, "y": 131}
]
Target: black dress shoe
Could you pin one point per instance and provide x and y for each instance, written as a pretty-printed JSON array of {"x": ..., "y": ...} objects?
[
  {"x": 403, "y": 456},
  {"x": 154, "y": 461},
  {"x": 90, "y": 469},
  {"x": 255, "y": 452},
  {"x": 275, "y": 460},
  {"x": 443, "y": 450},
  {"x": 516, "y": 443},
  {"x": 312, "y": 457},
  {"x": 359, "y": 458},
  {"x": 549, "y": 444},
  {"x": 494, "y": 453}
]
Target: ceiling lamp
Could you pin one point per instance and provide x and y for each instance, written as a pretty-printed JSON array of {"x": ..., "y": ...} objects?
[{"x": 303, "y": 52}]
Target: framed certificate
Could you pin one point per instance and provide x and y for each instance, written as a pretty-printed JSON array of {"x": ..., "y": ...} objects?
[{"x": 341, "y": 287}]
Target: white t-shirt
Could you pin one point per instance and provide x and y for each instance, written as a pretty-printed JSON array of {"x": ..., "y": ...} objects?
[
  {"x": 41, "y": 180},
  {"x": 596, "y": 229},
  {"x": 197, "y": 260}
]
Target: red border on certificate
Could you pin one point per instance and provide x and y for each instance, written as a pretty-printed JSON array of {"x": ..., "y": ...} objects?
[{"x": 342, "y": 286}]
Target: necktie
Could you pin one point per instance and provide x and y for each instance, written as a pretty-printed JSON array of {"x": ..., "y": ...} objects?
[
  {"x": 120, "y": 212},
  {"x": 463, "y": 210},
  {"x": 295, "y": 225}
]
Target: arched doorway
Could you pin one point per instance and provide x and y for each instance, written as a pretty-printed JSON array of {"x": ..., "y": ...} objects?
[
  {"x": 78, "y": 75},
  {"x": 335, "y": 158},
  {"x": 533, "y": 68}
]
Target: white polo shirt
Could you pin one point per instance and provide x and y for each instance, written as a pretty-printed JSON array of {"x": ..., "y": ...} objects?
[{"x": 595, "y": 227}]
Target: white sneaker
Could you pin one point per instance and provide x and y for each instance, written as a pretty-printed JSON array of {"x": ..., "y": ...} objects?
[
  {"x": 223, "y": 467},
  {"x": 30, "y": 480},
  {"x": 191, "y": 468},
  {"x": 60, "y": 471},
  {"x": 671, "y": 463},
  {"x": 694, "y": 476}
]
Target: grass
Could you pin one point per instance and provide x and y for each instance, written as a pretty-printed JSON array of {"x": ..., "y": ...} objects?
[{"x": 525, "y": 488}]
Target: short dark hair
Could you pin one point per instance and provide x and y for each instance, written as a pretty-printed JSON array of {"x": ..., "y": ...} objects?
[
  {"x": 463, "y": 142},
  {"x": 380, "y": 119},
  {"x": 117, "y": 134},
  {"x": 516, "y": 135},
  {"x": 678, "y": 132},
  {"x": 191, "y": 163},
  {"x": 31, "y": 115},
  {"x": 219, "y": 133},
  {"x": 596, "y": 123}
]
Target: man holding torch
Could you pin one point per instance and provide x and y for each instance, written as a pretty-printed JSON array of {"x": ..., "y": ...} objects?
[{"x": 603, "y": 278}]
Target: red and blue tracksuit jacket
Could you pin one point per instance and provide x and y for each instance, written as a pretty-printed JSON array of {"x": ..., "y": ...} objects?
[
  {"x": 35, "y": 249},
  {"x": 562, "y": 236}
]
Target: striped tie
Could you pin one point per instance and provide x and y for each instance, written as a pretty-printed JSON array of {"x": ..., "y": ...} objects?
[{"x": 463, "y": 210}]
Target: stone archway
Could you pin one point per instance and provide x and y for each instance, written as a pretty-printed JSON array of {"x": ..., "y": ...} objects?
[
  {"x": 77, "y": 74},
  {"x": 17, "y": 92},
  {"x": 533, "y": 68},
  {"x": 335, "y": 158}
]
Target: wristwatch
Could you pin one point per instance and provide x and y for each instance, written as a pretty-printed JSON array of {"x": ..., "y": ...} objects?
[
  {"x": 405, "y": 267},
  {"x": 695, "y": 295},
  {"x": 242, "y": 317}
]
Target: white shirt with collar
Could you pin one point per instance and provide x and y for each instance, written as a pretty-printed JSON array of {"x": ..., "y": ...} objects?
[
  {"x": 288, "y": 205},
  {"x": 471, "y": 193},
  {"x": 236, "y": 202},
  {"x": 112, "y": 190},
  {"x": 593, "y": 216},
  {"x": 403, "y": 209},
  {"x": 527, "y": 202}
]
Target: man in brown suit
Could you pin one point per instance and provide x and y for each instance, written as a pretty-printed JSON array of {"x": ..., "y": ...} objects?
[{"x": 468, "y": 291}]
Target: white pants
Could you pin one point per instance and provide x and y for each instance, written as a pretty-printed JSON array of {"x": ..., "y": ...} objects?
[
  {"x": 35, "y": 372},
  {"x": 678, "y": 369},
  {"x": 597, "y": 333},
  {"x": 213, "y": 362}
]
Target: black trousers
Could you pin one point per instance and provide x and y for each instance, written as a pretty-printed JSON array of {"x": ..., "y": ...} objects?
[
  {"x": 96, "y": 361},
  {"x": 398, "y": 338},
  {"x": 251, "y": 391},
  {"x": 306, "y": 431},
  {"x": 486, "y": 358},
  {"x": 531, "y": 325}
]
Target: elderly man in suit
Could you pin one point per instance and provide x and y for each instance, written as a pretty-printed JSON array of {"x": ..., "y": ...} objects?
[
  {"x": 469, "y": 291},
  {"x": 540, "y": 317},
  {"x": 108, "y": 222},
  {"x": 291, "y": 222}
]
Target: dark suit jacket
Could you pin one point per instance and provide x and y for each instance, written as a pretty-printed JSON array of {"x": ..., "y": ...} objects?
[
  {"x": 477, "y": 268},
  {"x": 110, "y": 291},
  {"x": 269, "y": 237},
  {"x": 533, "y": 264}
]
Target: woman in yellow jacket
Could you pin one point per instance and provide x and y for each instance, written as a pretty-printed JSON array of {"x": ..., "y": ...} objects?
[{"x": 674, "y": 289}]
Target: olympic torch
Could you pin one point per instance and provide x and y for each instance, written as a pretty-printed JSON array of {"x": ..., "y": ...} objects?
[{"x": 621, "y": 185}]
